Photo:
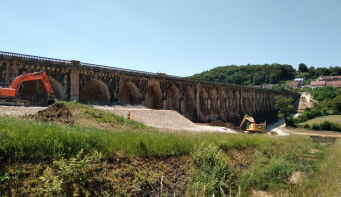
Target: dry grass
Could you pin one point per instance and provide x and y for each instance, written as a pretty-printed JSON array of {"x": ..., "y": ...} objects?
[{"x": 319, "y": 120}]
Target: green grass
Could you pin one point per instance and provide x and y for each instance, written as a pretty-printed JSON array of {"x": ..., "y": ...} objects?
[
  {"x": 35, "y": 140},
  {"x": 101, "y": 115},
  {"x": 319, "y": 120},
  {"x": 274, "y": 160},
  {"x": 325, "y": 181}
]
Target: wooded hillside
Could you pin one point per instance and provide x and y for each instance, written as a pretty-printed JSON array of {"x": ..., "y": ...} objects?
[{"x": 248, "y": 74}]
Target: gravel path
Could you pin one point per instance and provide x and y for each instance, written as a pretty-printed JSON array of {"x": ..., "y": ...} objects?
[{"x": 19, "y": 111}]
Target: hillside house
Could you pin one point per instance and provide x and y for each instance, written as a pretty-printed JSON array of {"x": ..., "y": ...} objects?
[
  {"x": 337, "y": 85},
  {"x": 293, "y": 84},
  {"x": 329, "y": 78},
  {"x": 317, "y": 84},
  {"x": 267, "y": 86},
  {"x": 300, "y": 80}
]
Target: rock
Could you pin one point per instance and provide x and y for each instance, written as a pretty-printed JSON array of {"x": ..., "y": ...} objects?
[
  {"x": 296, "y": 178},
  {"x": 260, "y": 193}
]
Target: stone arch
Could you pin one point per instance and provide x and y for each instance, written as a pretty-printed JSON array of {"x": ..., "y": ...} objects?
[
  {"x": 35, "y": 92},
  {"x": 153, "y": 98},
  {"x": 95, "y": 92},
  {"x": 203, "y": 109},
  {"x": 128, "y": 94},
  {"x": 214, "y": 104},
  {"x": 189, "y": 103},
  {"x": 222, "y": 105},
  {"x": 173, "y": 99}
]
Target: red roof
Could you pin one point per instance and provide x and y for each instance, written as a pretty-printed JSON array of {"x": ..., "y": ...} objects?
[
  {"x": 330, "y": 83},
  {"x": 330, "y": 77},
  {"x": 293, "y": 83},
  {"x": 318, "y": 83},
  {"x": 326, "y": 77},
  {"x": 337, "y": 85}
]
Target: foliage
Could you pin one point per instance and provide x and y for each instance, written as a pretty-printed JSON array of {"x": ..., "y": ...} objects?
[
  {"x": 324, "y": 126},
  {"x": 325, "y": 93},
  {"x": 258, "y": 74},
  {"x": 209, "y": 170},
  {"x": 71, "y": 174},
  {"x": 285, "y": 107},
  {"x": 272, "y": 170},
  {"x": 337, "y": 103},
  {"x": 302, "y": 67}
]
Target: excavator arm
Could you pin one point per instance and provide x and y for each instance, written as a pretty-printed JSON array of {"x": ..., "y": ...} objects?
[
  {"x": 16, "y": 83},
  {"x": 247, "y": 117},
  {"x": 7, "y": 94}
]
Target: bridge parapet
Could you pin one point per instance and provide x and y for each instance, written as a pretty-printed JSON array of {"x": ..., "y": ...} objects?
[{"x": 200, "y": 101}]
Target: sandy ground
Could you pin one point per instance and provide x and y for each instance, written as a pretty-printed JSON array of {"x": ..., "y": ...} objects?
[
  {"x": 19, "y": 111},
  {"x": 161, "y": 119},
  {"x": 166, "y": 120},
  {"x": 306, "y": 101}
]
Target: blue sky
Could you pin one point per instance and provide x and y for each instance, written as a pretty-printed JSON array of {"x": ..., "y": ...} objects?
[{"x": 176, "y": 37}]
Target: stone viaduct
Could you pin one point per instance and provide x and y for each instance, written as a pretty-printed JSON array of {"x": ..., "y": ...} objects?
[{"x": 199, "y": 101}]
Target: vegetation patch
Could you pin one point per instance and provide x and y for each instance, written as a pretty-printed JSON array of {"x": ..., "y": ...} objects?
[{"x": 43, "y": 158}]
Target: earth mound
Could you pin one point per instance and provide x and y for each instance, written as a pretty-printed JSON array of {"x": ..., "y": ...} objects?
[
  {"x": 58, "y": 112},
  {"x": 228, "y": 125}
]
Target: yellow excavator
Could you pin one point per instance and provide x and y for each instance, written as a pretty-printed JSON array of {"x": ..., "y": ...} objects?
[{"x": 250, "y": 124}]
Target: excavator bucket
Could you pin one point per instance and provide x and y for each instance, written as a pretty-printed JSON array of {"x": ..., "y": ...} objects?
[{"x": 51, "y": 100}]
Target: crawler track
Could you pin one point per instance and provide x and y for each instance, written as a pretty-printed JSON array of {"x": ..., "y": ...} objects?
[{"x": 14, "y": 102}]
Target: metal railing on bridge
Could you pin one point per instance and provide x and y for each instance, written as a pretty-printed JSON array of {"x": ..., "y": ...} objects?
[{"x": 82, "y": 65}]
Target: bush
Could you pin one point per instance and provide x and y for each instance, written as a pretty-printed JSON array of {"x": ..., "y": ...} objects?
[
  {"x": 315, "y": 127},
  {"x": 210, "y": 167},
  {"x": 306, "y": 125},
  {"x": 307, "y": 109},
  {"x": 335, "y": 127},
  {"x": 290, "y": 122},
  {"x": 325, "y": 125}
]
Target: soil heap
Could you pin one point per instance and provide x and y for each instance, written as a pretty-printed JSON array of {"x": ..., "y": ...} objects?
[
  {"x": 58, "y": 112},
  {"x": 228, "y": 125}
]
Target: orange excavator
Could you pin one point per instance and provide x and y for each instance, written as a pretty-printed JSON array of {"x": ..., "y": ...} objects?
[{"x": 8, "y": 94}]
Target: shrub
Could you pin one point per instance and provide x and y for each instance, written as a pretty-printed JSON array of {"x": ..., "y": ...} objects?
[
  {"x": 210, "y": 167},
  {"x": 335, "y": 127},
  {"x": 316, "y": 113},
  {"x": 325, "y": 125},
  {"x": 315, "y": 127},
  {"x": 290, "y": 122},
  {"x": 307, "y": 109},
  {"x": 306, "y": 125}
]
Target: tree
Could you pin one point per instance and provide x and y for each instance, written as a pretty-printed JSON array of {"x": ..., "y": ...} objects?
[
  {"x": 337, "y": 103},
  {"x": 257, "y": 79},
  {"x": 273, "y": 78},
  {"x": 311, "y": 71},
  {"x": 285, "y": 107},
  {"x": 302, "y": 67}
]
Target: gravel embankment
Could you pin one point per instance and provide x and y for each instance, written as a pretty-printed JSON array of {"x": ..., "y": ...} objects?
[{"x": 163, "y": 119}]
